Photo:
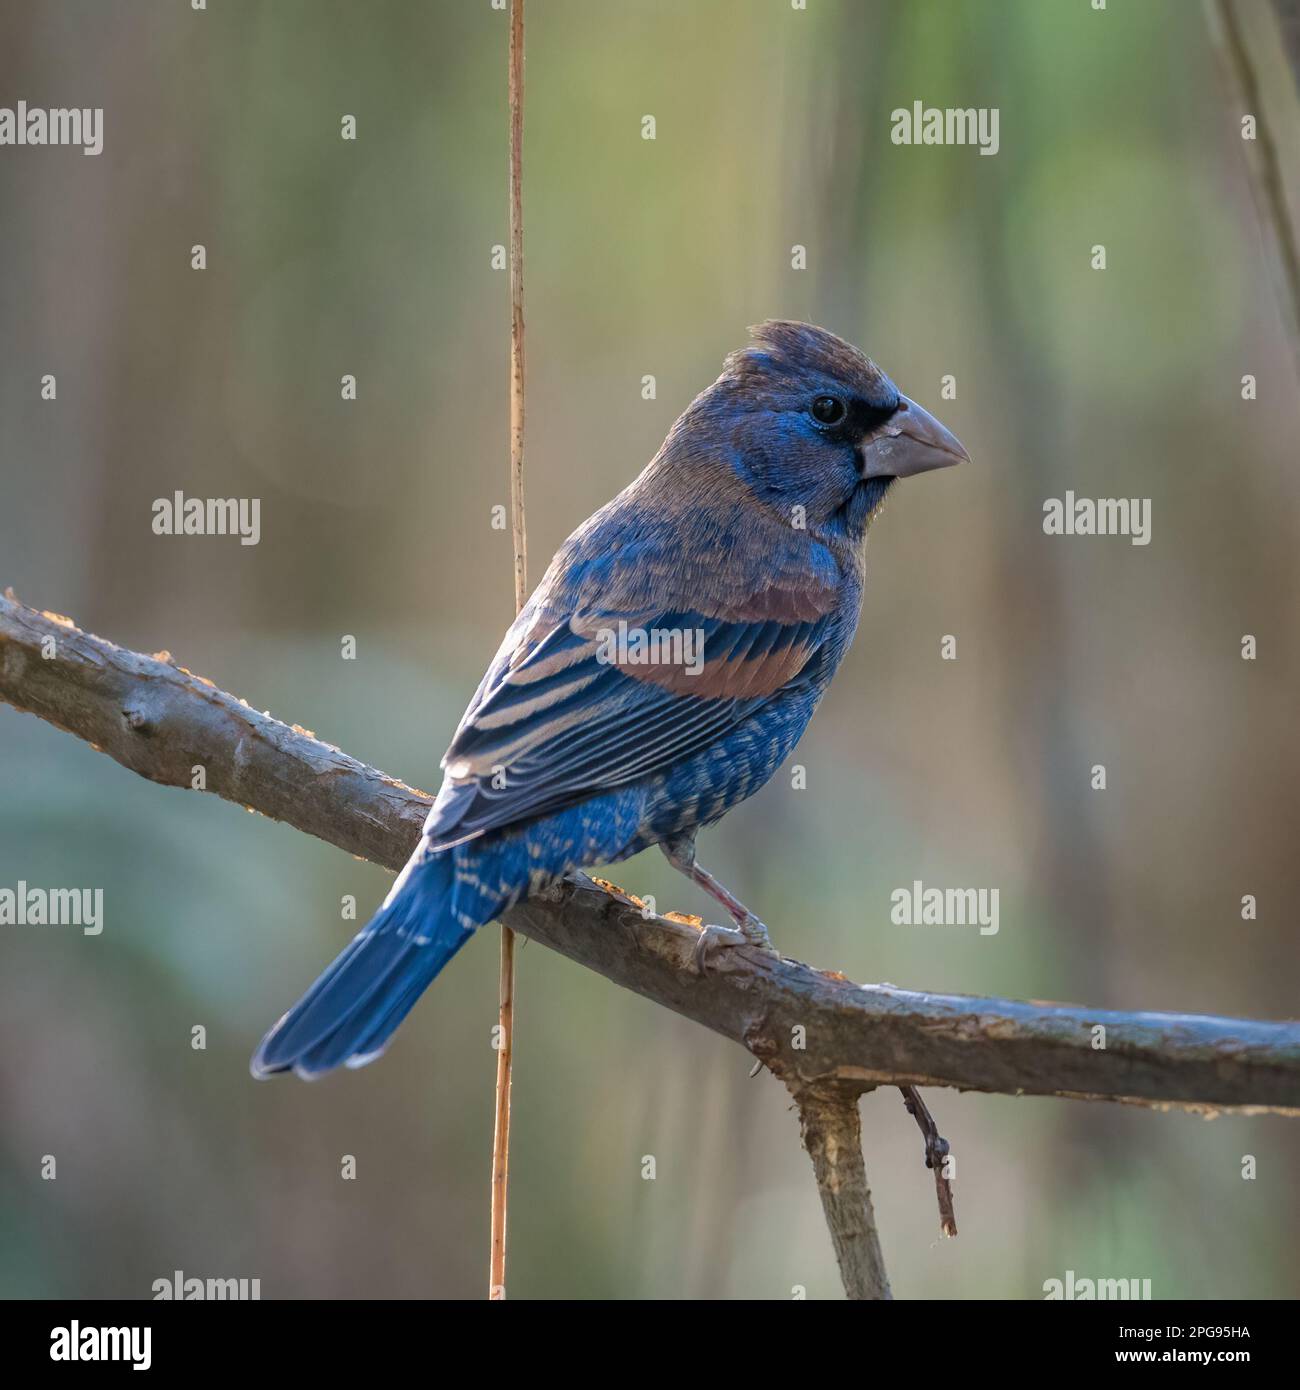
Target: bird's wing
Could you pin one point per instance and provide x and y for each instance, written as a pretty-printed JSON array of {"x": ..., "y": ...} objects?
[{"x": 556, "y": 720}]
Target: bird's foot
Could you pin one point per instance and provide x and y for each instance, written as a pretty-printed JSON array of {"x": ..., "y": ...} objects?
[
  {"x": 748, "y": 931},
  {"x": 754, "y": 932},
  {"x": 710, "y": 940}
]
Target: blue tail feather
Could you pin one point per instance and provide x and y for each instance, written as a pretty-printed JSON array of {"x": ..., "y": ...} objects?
[
  {"x": 347, "y": 1017},
  {"x": 351, "y": 1011}
]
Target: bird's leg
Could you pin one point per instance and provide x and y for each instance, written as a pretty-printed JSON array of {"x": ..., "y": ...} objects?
[{"x": 679, "y": 850}]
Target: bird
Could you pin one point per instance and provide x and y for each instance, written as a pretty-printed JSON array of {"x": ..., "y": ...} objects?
[{"x": 661, "y": 672}]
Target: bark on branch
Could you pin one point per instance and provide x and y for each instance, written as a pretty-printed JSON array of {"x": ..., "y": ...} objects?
[
  {"x": 827, "y": 1039},
  {"x": 832, "y": 1134},
  {"x": 160, "y": 721}
]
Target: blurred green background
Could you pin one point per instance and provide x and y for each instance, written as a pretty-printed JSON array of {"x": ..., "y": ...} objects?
[{"x": 373, "y": 258}]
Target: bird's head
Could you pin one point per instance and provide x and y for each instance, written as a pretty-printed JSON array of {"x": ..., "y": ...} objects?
[{"x": 809, "y": 422}]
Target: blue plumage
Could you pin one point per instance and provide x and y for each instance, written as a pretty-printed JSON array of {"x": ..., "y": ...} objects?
[{"x": 668, "y": 662}]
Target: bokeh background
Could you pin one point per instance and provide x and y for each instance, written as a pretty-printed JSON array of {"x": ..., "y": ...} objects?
[{"x": 643, "y": 258}]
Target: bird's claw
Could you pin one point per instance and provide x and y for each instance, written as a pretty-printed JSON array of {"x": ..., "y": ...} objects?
[
  {"x": 748, "y": 931},
  {"x": 709, "y": 940},
  {"x": 755, "y": 933}
]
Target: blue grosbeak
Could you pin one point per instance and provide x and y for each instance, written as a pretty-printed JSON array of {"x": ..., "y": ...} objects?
[{"x": 739, "y": 552}]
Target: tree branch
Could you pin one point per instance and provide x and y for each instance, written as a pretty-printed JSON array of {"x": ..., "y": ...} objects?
[
  {"x": 806, "y": 1026},
  {"x": 826, "y": 1038},
  {"x": 832, "y": 1134}
]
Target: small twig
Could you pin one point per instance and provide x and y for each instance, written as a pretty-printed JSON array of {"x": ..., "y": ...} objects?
[
  {"x": 936, "y": 1151},
  {"x": 516, "y": 82},
  {"x": 1287, "y": 13},
  {"x": 1263, "y": 166},
  {"x": 832, "y": 1134},
  {"x": 501, "y": 1125},
  {"x": 1288, "y": 23},
  {"x": 506, "y": 983}
]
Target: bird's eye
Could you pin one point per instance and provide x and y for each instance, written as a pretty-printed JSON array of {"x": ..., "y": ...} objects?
[{"x": 828, "y": 410}]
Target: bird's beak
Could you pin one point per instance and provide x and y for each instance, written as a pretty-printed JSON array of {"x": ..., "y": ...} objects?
[{"x": 911, "y": 441}]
